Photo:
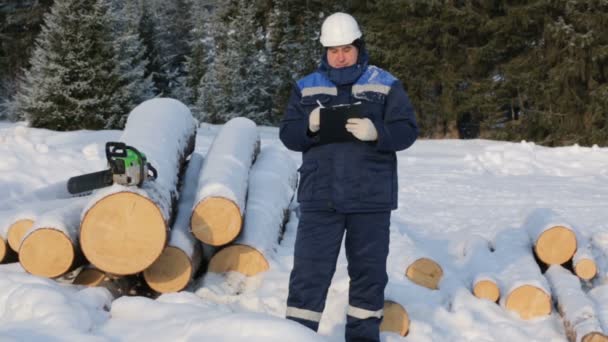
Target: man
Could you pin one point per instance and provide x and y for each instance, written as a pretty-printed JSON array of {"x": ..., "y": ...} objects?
[{"x": 347, "y": 187}]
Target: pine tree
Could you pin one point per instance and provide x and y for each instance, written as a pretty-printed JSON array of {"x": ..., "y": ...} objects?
[
  {"x": 134, "y": 87},
  {"x": 73, "y": 76}
]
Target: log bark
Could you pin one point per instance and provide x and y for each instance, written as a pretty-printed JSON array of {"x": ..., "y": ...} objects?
[
  {"x": 480, "y": 263},
  {"x": 180, "y": 260},
  {"x": 577, "y": 310},
  {"x": 525, "y": 290},
  {"x": 217, "y": 216},
  {"x": 50, "y": 247},
  {"x": 125, "y": 229},
  {"x": 553, "y": 238},
  {"x": 583, "y": 261},
  {"x": 272, "y": 184}
]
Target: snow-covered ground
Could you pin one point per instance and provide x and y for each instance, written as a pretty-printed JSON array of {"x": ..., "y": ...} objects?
[{"x": 450, "y": 190}]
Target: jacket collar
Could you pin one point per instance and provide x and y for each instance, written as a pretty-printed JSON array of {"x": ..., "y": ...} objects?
[{"x": 344, "y": 76}]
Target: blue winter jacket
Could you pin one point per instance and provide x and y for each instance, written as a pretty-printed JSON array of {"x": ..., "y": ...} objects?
[{"x": 351, "y": 176}]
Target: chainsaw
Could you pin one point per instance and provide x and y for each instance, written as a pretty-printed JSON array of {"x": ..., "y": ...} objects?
[{"x": 127, "y": 166}]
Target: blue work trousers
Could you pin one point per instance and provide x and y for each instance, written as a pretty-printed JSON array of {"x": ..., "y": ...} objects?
[{"x": 318, "y": 242}]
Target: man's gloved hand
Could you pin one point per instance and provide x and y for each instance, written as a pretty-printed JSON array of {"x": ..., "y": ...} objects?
[
  {"x": 362, "y": 129},
  {"x": 314, "y": 120}
]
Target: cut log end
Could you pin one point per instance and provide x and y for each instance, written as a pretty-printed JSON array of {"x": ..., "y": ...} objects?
[
  {"x": 89, "y": 277},
  {"x": 47, "y": 253},
  {"x": 529, "y": 302},
  {"x": 556, "y": 245},
  {"x": 486, "y": 289},
  {"x": 595, "y": 337},
  {"x": 171, "y": 272},
  {"x": 395, "y": 319},
  {"x": 3, "y": 250},
  {"x": 16, "y": 232},
  {"x": 238, "y": 258},
  {"x": 585, "y": 269},
  {"x": 425, "y": 272},
  {"x": 216, "y": 221},
  {"x": 123, "y": 233}
]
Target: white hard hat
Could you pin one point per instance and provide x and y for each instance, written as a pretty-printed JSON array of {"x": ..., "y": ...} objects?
[{"x": 339, "y": 29}]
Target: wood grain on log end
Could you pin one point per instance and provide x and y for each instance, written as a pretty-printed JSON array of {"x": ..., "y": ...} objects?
[
  {"x": 486, "y": 289},
  {"x": 425, "y": 272},
  {"x": 595, "y": 337},
  {"x": 16, "y": 232},
  {"x": 556, "y": 245},
  {"x": 47, "y": 253},
  {"x": 585, "y": 269},
  {"x": 171, "y": 272},
  {"x": 123, "y": 233},
  {"x": 90, "y": 277},
  {"x": 395, "y": 319},
  {"x": 216, "y": 221},
  {"x": 529, "y": 302},
  {"x": 238, "y": 258}
]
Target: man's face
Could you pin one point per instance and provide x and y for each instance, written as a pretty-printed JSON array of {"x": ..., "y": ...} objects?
[{"x": 342, "y": 56}]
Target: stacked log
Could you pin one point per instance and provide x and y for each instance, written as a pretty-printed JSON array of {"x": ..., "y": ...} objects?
[
  {"x": 265, "y": 216},
  {"x": 217, "y": 215},
  {"x": 583, "y": 262},
  {"x": 395, "y": 319},
  {"x": 50, "y": 247},
  {"x": 175, "y": 267},
  {"x": 577, "y": 310},
  {"x": 480, "y": 264},
  {"x": 419, "y": 266},
  {"x": 94, "y": 277},
  {"x": 553, "y": 238},
  {"x": 525, "y": 290},
  {"x": 125, "y": 229}
]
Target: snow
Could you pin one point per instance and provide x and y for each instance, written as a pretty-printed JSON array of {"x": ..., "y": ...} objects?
[{"x": 449, "y": 192}]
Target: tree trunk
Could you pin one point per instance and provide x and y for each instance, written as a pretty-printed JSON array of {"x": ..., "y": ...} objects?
[
  {"x": 125, "y": 229},
  {"x": 272, "y": 184},
  {"x": 576, "y": 309},
  {"x": 553, "y": 238},
  {"x": 525, "y": 290},
  {"x": 217, "y": 216},
  {"x": 50, "y": 247},
  {"x": 180, "y": 260},
  {"x": 583, "y": 261},
  {"x": 395, "y": 319}
]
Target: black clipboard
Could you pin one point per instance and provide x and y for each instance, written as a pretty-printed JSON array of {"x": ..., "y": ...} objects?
[{"x": 332, "y": 123}]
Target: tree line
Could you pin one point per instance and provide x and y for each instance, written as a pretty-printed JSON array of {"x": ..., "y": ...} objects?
[{"x": 508, "y": 70}]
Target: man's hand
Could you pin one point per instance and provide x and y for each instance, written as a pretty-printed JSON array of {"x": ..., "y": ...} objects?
[
  {"x": 362, "y": 129},
  {"x": 314, "y": 120}
]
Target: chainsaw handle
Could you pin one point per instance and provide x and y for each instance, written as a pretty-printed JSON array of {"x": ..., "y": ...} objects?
[{"x": 152, "y": 171}]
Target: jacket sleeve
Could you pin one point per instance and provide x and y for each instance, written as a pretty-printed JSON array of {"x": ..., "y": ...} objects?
[
  {"x": 398, "y": 130},
  {"x": 293, "y": 130}
]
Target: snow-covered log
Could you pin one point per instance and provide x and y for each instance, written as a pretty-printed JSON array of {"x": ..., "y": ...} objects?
[
  {"x": 395, "y": 318},
  {"x": 16, "y": 222},
  {"x": 480, "y": 265},
  {"x": 217, "y": 215},
  {"x": 553, "y": 238},
  {"x": 93, "y": 277},
  {"x": 599, "y": 296},
  {"x": 125, "y": 229},
  {"x": 583, "y": 261},
  {"x": 523, "y": 287},
  {"x": 180, "y": 260},
  {"x": 51, "y": 192},
  {"x": 576, "y": 309},
  {"x": 425, "y": 272},
  {"x": 50, "y": 246},
  {"x": 272, "y": 183}
]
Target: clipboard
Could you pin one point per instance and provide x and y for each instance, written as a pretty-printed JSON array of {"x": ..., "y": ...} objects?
[{"x": 332, "y": 123}]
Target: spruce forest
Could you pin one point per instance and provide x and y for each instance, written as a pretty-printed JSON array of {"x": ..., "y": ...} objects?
[{"x": 510, "y": 70}]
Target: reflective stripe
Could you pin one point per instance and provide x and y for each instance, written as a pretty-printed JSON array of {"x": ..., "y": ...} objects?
[
  {"x": 362, "y": 313},
  {"x": 310, "y": 91},
  {"x": 378, "y": 88},
  {"x": 303, "y": 314}
]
